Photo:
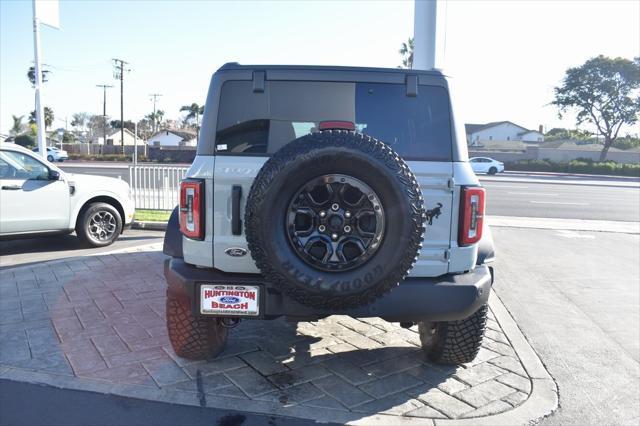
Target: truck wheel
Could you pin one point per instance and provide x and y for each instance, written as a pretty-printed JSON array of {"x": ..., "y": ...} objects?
[
  {"x": 335, "y": 219},
  {"x": 453, "y": 342},
  {"x": 493, "y": 171},
  {"x": 193, "y": 337},
  {"x": 99, "y": 225}
]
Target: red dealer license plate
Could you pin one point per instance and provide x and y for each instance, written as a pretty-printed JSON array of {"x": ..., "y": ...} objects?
[{"x": 226, "y": 300}]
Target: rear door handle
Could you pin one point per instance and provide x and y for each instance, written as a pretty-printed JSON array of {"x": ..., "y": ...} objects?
[
  {"x": 236, "y": 223},
  {"x": 11, "y": 187}
]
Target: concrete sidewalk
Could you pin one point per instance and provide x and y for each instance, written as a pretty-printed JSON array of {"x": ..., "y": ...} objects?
[{"x": 97, "y": 323}]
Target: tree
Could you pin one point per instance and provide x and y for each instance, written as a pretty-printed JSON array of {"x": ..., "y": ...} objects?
[
  {"x": 128, "y": 124},
  {"x": 145, "y": 128},
  {"x": 155, "y": 118},
  {"x": 18, "y": 125},
  {"x": 48, "y": 117},
  {"x": 193, "y": 111},
  {"x": 26, "y": 141},
  {"x": 604, "y": 92},
  {"x": 31, "y": 75},
  {"x": 406, "y": 51},
  {"x": 68, "y": 137},
  {"x": 97, "y": 126},
  {"x": 558, "y": 133},
  {"x": 80, "y": 119}
]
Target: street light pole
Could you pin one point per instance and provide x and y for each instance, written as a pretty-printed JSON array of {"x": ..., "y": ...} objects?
[
  {"x": 42, "y": 149},
  {"x": 424, "y": 34}
]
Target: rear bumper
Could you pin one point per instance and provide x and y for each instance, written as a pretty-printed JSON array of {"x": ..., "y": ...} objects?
[{"x": 445, "y": 298}]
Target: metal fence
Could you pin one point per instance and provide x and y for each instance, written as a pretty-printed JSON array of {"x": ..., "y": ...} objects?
[{"x": 156, "y": 187}]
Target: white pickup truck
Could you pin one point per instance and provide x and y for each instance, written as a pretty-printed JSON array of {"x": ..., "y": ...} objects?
[{"x": 38, "y": 198}]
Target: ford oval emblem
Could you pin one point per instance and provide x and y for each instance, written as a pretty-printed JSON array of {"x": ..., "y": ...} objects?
[
  {"x": 229, "y": 299},
  {"x": 235, "y": 251}
]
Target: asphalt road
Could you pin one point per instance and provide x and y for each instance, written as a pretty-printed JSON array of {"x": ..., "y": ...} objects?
[
  {"x": 34, "y": 250},
  {"x": 576, "y": 297},
  {"x": 514, "y": 194},
  {"x": 25, "y": 404},
  {"x": 562, "y": 200}
]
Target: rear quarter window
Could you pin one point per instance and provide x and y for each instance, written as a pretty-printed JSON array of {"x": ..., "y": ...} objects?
[{"x": 250, "y": 123}]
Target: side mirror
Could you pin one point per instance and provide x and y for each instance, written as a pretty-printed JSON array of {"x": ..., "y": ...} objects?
[{"x": 54, "y": 175}]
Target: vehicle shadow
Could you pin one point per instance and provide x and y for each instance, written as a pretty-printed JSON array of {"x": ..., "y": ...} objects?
[
  {"x": 306, "y": 357},
  {"x": 31, "y": 250}
]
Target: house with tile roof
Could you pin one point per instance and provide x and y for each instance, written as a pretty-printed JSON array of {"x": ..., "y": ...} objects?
[{"x": 501, "y": 131}]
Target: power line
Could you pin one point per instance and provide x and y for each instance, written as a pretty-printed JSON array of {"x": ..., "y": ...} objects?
[{"x": 119, "y": 75}]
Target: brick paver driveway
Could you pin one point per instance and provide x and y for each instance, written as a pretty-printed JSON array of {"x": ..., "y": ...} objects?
[{"x": 98, "y": 323}]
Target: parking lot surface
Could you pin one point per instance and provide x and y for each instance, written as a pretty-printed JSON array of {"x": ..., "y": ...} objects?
[{"x": 97, "y": 323}]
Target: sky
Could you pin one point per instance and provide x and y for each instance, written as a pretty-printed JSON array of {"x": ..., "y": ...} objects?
[{"x": 504, "y": 57}]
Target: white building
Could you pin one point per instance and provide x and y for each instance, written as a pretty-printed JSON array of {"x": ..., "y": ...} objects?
[
  {"x": 501, "y": 131},
  {"x": 170, "y": 137},
  {"x": 113, "y": 138}
]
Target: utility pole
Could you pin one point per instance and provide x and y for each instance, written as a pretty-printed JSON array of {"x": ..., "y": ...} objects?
[
  {"x": 119, "y": 75},
  {"x": 104, "y": 111},
  {"x": 155, "y": 119}
]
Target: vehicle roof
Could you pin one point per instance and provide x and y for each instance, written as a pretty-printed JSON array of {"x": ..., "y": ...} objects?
[{"x": 236, "y": 66}]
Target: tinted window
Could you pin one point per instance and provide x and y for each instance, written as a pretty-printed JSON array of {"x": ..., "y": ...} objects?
[
  {"x": 16, "y": 165},
  {"x": 261, "y": 123}
]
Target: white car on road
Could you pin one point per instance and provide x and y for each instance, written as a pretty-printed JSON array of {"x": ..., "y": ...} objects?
[
  {"x": 38, "y": 198},
  {"x": 486, "y": 165},
  {"x": 54, "y": 154}
]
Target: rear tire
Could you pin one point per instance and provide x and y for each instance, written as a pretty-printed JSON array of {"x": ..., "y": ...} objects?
[
  {"x": 193, "y": 337},
  {"x": 50, "y": 158},
  {"x": 99, "y": 225},
  {"x": 493, "y": 171},
  {"x": 454, "y": 342}
]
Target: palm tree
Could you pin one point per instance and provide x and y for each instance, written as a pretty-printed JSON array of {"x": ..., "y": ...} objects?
[
  {"x": 406, "y": 50},
  {"x": 31, "y": 75},
  {"x": 155, "y": 118},
  {"x": 18, "y": 126},
  {"x": 48, "y": 117},
  {"x": 194, "y": 111}
]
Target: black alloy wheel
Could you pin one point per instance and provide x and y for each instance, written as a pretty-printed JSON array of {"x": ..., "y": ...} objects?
[{"x": 335, "y": 222}]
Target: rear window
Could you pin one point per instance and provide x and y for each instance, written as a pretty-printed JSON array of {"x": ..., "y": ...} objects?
[{"x": 253, "y": 123}]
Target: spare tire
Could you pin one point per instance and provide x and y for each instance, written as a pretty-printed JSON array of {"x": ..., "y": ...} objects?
[{"x": 335, "y": 219}]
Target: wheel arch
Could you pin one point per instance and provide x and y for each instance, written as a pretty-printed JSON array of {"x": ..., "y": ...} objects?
[{"x": 100, "y": 199}]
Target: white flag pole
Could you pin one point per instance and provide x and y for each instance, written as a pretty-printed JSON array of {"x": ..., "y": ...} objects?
[
  {"x": 38, "y": 86},
  {"x": 424, "y": 34}
]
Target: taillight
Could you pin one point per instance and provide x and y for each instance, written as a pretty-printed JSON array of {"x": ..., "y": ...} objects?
[
  {"x": 336, "y": 125},
  {"x": 471, "y": 215},
  {"x": 191, "y": 206}
]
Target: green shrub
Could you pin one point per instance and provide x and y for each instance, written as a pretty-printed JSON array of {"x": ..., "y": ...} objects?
[
  {"x": 579, "y": 165},
  {"x": 26, "y": 141}
]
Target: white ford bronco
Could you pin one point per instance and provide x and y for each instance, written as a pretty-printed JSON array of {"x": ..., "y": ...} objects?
[{"x": 329, "y": 190}]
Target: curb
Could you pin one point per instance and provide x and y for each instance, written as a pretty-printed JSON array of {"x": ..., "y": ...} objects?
[
  {"x": 152, "y": 226},
  {"x": 157, "y": 246},
  {"x": 558, "y": 224},
  {"x": 543, "y": 399}
]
